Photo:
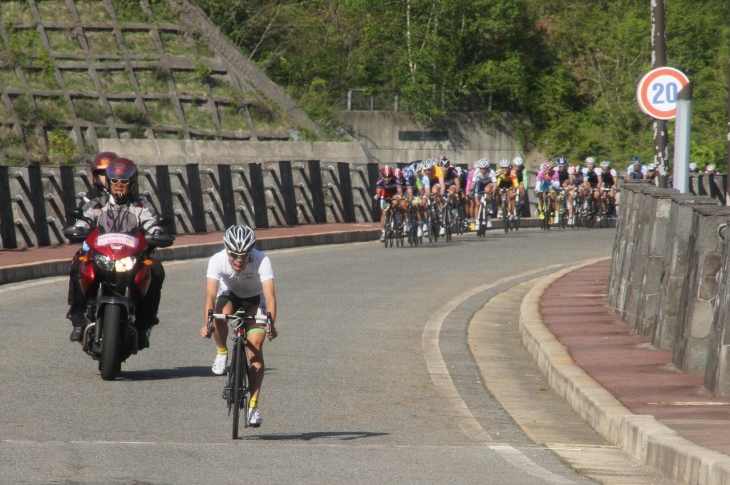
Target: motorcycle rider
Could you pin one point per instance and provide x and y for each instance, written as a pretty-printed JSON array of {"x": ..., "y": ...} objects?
[
  {"x": 121, "y": 182},
  {"x": 76, "y": 298}
]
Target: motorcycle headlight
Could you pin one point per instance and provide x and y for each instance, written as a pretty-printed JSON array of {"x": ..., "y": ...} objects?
[
  {"x": 125, "y": 264},
  {"x": 103, "y": 262}
]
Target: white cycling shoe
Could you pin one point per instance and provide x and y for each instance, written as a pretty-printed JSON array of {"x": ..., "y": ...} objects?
[
  {"x": 254, "y": 417},
  {"x": 219, "y": 364}
]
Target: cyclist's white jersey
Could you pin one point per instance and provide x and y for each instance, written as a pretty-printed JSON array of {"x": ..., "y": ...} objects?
[
  {"x": 490, "y": 177},
  {"x": 631, "y": 170},
  {"x": 245, "y": 284},
  {"x": 596, "y": 170}
]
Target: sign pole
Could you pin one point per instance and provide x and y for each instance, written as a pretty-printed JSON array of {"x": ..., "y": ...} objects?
[
  {"x": 681, "y": 139},
  {"x": 659, "y": 59}
]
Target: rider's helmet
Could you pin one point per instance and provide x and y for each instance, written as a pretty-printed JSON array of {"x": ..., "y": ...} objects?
[
  {"x": 442, "y": 161},
  {"x": 711, "y": 168},
  {"x": 546, "y": 165},
  {"x": 505, "y": 163},
  {"x": 636, "y": 160},
  {"x": 483, "y": 163},
  {"x": 239, "y": 239},
  {"x": 693, "y": 166},
  {"x": 428, "y": 164},
  {"x": 386, "y": 171},
  {"x": 651, "y": 166},
  {"x": 122, "y": 169},
  {"x": 408, "y": 173},
  {"x": 590, "y": 161},
  {"x": 98, "y": 167},
  {"x": 605, "y": 164},
  {"x": 562, "y": 161},
  {"x": 398, "y": 173},
  {"x": 517, "y": 161},
  {"x": 475, "y": 165},
  {"x": 459, "y": 171}
]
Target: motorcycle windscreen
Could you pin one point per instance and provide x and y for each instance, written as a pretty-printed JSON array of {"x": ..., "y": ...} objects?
[{"x": 118, "y": 220}]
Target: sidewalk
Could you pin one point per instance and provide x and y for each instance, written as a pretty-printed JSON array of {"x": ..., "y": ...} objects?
[
  {"x": 24, "y": 264},
  {"x": 663, "y": 417}
]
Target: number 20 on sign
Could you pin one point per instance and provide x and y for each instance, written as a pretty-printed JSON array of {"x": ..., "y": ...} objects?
[{"x": 657, "y": 92}]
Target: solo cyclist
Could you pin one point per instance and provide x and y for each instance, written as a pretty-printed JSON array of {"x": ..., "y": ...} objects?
[{"x": 241, "y": 277}]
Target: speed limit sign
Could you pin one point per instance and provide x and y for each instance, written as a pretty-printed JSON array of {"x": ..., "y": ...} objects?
[{"x": 657, "y": 92}]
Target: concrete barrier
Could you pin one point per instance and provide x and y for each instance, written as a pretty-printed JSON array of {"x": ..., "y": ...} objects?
[
  {"x": 674, "y": 269},
  {"x": 700, "y": 288},
  {"x": 717, "y": 370}
]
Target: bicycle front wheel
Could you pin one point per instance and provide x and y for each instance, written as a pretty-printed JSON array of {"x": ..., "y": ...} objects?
[{"x": 239, "y": 381}]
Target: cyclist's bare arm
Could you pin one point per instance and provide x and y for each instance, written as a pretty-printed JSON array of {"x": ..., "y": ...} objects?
[
  {"x": 270, "y": 297},
  {"x": 211, "y": 289}
]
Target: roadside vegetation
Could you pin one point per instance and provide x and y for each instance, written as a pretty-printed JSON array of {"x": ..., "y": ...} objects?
[{"x": 567, "y": 70}]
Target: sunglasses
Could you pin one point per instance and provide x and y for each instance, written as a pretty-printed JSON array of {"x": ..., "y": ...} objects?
[
  {"x": 236, "y": 256},
  {"x": 119, "y": 181}
]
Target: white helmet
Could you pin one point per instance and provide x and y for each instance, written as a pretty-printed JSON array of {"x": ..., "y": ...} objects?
[
  {"x": 711, "y": 167},
  {"x": 505, "y": 163},
  {"x": 693, "y": 166},
  {"x": 427, "y": 164},
  {"x": 651, "y": 166},
  {"x": 239, "y": 239},
  {"x": 605, "y": 164},
  {"x": 590, "y": 161},
  {"x": 517, "y": 161},
  {"x": 483, "y": 163}
]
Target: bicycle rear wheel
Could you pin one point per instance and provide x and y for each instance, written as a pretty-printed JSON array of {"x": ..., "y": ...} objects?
[{"x": 505, "y": 215}]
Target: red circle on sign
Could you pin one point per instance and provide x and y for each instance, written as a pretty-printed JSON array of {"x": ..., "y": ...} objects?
[{"x": 642, "y": 92}]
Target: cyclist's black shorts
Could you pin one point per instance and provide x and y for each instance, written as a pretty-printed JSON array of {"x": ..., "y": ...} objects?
[{"x": 245, "y": 303}]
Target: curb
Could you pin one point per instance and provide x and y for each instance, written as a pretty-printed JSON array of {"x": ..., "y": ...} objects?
[
  {"x": 641, "y": 436},
  {"x": 60, "y": 267}
]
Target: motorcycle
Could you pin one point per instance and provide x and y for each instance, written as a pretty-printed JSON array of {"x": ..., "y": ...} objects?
[{"x": 115, "y": 274}]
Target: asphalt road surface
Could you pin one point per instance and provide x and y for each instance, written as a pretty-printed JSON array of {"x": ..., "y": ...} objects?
[{"x": 348, "y": 396}]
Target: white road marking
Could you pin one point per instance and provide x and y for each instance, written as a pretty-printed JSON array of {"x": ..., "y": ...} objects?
[{"x": 443, "y": 382}]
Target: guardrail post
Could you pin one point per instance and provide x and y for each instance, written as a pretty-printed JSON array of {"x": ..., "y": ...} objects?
[
  {"x": 373, "y": 175},
  {"x": 164, "y": 195},
  {"x": 196, "y": 197},
  {"x": 287, "y": 193},
  {"x": 261, "y": 212},
  {"x": 315, "y": 179},
  {"x": 38, "y": 201},
  {"x": 225, "y": 180},
  {"x": 348, "y": 207},
  {"x": 7, "y": 224},
  {"x": 68, "y": 187}
]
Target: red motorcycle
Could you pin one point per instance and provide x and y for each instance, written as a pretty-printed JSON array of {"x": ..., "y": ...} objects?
[{"x": 115, "y": 274}]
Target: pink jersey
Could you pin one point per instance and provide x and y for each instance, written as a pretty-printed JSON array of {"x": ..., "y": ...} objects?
[{"x": 469, "y": 176}]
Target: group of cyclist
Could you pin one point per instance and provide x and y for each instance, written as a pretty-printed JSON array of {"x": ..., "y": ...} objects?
[{"x": 439, "y": 180}]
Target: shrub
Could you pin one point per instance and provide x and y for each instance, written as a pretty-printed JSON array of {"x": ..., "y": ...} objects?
[
  {"x": 90, "y": 110},
  {"x": 129, "y": 113}
]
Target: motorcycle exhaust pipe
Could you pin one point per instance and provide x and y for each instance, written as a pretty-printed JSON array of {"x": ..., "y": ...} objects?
[{"x": 87, "y": 332}]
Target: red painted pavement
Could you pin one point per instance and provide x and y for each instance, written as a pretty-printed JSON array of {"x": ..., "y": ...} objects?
[
  {"x": 641, "y": 377},
  {"x": 10, "y": 257}
]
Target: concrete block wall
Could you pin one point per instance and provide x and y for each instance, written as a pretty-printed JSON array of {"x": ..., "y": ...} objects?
[{"x": 668, "y": 280}]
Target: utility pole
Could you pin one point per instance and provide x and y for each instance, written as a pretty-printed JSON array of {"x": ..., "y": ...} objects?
[
  {"x": 727, "y": 164},
  {"x": 659, "y": 59}
]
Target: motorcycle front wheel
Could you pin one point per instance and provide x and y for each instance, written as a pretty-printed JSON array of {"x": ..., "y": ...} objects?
[{"x": 111, "y": 342}]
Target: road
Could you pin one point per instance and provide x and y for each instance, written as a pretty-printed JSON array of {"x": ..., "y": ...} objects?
[{"x": 349, "y": 394}]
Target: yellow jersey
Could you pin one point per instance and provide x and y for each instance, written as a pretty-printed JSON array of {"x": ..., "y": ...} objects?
[{"x": 434, "y": 174}]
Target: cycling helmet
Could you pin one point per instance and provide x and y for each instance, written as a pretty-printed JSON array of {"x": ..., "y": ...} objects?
[
  {"x": 386, "y": 171},
  {"x": 651, "y": 166},
  {"x": 711, "y": 167},
  {"x": 561, "y": 161},
  {"x": 398, "y": 173},
  {"x": 505, "y": 163},
  {"x": 408, "y": 173},
  {"x": 590, "y": 161},
  {"x": 239, "y": 239},
  {"x": 546, "y": 165},
  {"x": 475, "y": 165},
  {"x": 443, "y": 161},
  {"x": 121, "y": 169},
  {"x": 98, "y": 166},
  {"x": 517, "y": 161},
  {"x": 419, "y": 167},
  {"x": 636, "y": 160},
  {"x": 693, "y": 166},
  {"x": 605, "y": 164},
  {"x": 483, "y": 163},
  {"x": 459, "y": 171}
]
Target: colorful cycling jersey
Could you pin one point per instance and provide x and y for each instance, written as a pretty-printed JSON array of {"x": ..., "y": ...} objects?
[
  {"x": 608, "y": 179},
  {"x": 387, "y": 186},
  {"x": 577, "y": 174},
  {"x": 519, "y": 172},
  {"x": 545, "y": 180},
  {"x": 404, "y": 183},
  {"x": 563, "y": 176},
  {"x": 507, "y": 179},
  {"x": 450, "y": 174},
  {"x": 468, "y": 183},
  {"x": 636, "y": 175},
  {"x": 591, "y": 176},
  {"x": 434, "y": 174}
]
